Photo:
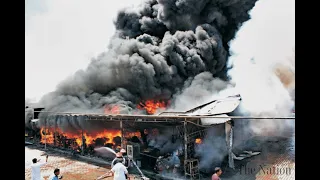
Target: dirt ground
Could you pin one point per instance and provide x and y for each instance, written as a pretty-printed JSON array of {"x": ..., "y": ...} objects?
[{"x": 70, "y": 169}]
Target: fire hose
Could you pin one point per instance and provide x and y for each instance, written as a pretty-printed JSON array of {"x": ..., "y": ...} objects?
[{"x": 142, "y": 175}]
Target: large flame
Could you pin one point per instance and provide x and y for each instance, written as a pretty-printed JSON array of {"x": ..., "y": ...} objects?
[
  {"x": 151, "y": 106},
  {"x": 47, "y": 136}
]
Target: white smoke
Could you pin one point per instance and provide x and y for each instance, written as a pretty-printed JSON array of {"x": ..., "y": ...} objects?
[
  {"x": 199, "y": 90},
  {"x": 263, "y": 73},
  {"x": 263, "y": 67}
]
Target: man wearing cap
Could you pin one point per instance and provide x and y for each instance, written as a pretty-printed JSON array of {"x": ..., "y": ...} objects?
[{"x": 217, "y": 174}]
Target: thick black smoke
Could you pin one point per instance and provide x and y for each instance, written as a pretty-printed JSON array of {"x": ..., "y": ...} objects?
[{"x": 156, "y": 48}]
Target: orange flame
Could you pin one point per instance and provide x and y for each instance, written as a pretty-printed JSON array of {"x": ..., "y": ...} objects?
[
  {"x": 198, "y": 141},
  {"x": 112, "y": 109},
  {"x": 47, "y": 136},
  {"x": 131, "y": 134},
  {"x": 151, "y": 106}
]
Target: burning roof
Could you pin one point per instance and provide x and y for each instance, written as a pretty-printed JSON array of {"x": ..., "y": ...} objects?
[{"x": 216, "y": 107}]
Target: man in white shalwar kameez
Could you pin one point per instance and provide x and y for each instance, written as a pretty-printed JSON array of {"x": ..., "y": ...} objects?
[{"x": 35, "y": 168}]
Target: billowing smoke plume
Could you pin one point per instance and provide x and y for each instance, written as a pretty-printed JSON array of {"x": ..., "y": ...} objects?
[
  {"x": 263, "y": 73},
  {"x": 157, "y": 49},
  {"x": 167, "y": 50},
  {"x": 201, "y": 89},
  {"x": 178, "y": 50},
  {"x": 263, "y": 65}
]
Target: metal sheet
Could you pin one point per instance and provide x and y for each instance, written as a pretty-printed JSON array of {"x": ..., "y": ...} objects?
[{"x": 216, "y": 120}]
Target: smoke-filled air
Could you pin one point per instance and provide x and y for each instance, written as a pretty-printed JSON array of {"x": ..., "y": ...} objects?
[
  {"x": 161, "y": 50},
  {"x": 263, "y": 65}
]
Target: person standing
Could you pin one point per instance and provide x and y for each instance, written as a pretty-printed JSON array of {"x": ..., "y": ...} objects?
[
  {"x": 35, "y": 168},
  {"x": 217, "y": 174},
  {"x": 118, "y": 171}
]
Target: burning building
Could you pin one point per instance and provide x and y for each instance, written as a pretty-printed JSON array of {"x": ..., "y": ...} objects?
[
  {"x": 147, "y": 137},
  {"x": 160, "y": 50}
]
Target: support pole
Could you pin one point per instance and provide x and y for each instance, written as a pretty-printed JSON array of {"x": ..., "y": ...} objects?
[
  {"x": 45, "y": 134},
  {"x": 34, "y": 127},
  {"x": 83, "y": 141},
  {"x": 121, "y": 128},
  {"x": 55, "y": 133},
  {"x": 185, "y": 145},
  {"x": 34, "y": 133},
  {"x": 185, "y": 140},
  {"x": 229, "y": 139}
]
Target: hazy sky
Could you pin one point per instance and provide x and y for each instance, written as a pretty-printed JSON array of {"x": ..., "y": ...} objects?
[{"x": 61, "y": 36}]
